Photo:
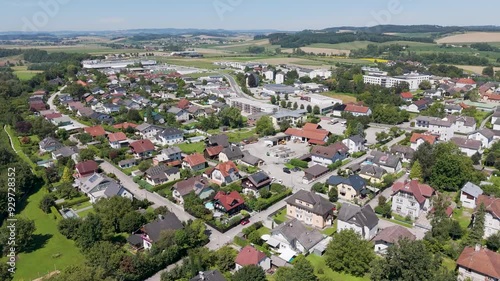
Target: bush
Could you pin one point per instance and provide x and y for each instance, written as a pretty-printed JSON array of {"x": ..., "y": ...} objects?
[
  {"x": 299, "y": 163},
  {"x": 277, "y": 188},
  {"x": 56, "y": 213},
  {"x": 358, "y": 154},
  {"x": 73, "y": 202}
]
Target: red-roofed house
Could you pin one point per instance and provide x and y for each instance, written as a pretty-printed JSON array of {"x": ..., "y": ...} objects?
[
  {"x": 465, "y": 82},
  {"x": 358, "y": 110},
  {"x": 37, "y": 105},
  {"x": 410, "y": 198},
  {"x": 419, "y": 139},
  {"x": 311, "y": 133},
  {"x": 116, "y": 140},
  {"x": 407, "y": 96},
  {"x": 478, "y": 264},
  {"x": 194, "y": 162},
  {"x": 81, "y": 83},
  {"x": 86, "y": 168},
  {"x": 492, "y": 216},
  {"x": 142, "y": 149},
  {"x": 213, "y": 152},
  {"x": 124, "y": 125},
  {"x": 251, "y": 256},
  {"x": 225, "y": 172},
  {"x": 183, "y": 104},
  {"x": 96, "y": 131},
  {"x": 229, "y": 203}
]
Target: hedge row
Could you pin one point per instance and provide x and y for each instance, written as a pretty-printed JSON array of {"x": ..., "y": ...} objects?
[
  {"x": 165, "y": 186},
  {"x": 263, "y": 204},
  {"x": 56, "y": 213},
  {"x": 72, "y": 202},
  {"x": 225, "y": 228}
]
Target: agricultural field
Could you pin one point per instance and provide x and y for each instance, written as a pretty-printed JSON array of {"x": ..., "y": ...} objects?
[
  {"x": 93, "y": 49},
  {"x": 23, "y": 73},
  {"x": 470, "y": 37},
  {"x": 346, "y": 98}
]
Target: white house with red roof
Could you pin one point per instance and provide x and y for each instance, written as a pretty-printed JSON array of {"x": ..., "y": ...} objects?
[
  {"x": 478, "y": 264},
  {"x": 411, "y": 198},
  {"x": 492, "y": 216},
  {"x": 463, "y": 82},
  {"x": 194, "y": 162},
  {"x": 142, "y": 149},
  {"x": 310, "y": 132},
  {"x": 358, "y": 110},
  {"x": 226, "y": 172},
  {"x": 251, "y": 256},
  {"x": 417, "y": 140},
  {"x": 116, "y": 140},
  {"x": 407, "y": 96}
]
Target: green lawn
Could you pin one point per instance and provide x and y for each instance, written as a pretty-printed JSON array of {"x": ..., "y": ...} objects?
[
  {"x": 82, "y": 205},
  {"x": 319, "y": 263},
  {"x": 463, "y": 216},
  {"x": 52, "y": 251},
  {"x": 345, "y": 97},
  {"x": 280, "y": 217},
  {"x": 85, "y": 213},
  {"x": 449, "y": 264},
  {"x": 23, "y": 73},
  {"x": 190, "y": 148},
  {"x": 239, "y": 136},
  {"x": 17, "y": 147},
  {"x": 330, "y": 230}
]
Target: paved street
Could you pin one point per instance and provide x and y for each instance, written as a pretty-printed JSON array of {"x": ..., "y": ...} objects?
[{"x": 52, "y": 106}]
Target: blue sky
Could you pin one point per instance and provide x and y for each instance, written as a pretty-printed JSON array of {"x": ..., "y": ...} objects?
[{"x": 239, "y": 14}]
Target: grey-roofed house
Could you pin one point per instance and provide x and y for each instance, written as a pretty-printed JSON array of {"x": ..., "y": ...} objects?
[
  {"x": 467, "y": 146},
  {"x": 168, "y": 155},
  {"x": 362, "y": 220},
  {"x": 211, "y": 275},
  {"x": 348, "y": 188},
  {"x": 355, "y": 143},
  {"x": 162, "y": 174},
  {"x": 98, "y": 186},
  {"x": 255, "y": 183},
  {"x": 469, "y": 195},
  {"x": 169, "y": 136},
  {"x": 372, "y": 173},
  {"x": 390, "y": 163},
  {"x": 250, "y": 160},
  {"x": 314, "y": 172},
  {"x": 310, "y": 208},
  {"x": 216, "y": 140},
  {"x": 181, "y": 115},
  {"x": 230, "y": 153},
  {"x": 151, "y": 232},
  {"x": 127, "y": 163},
  {"x": 485, "y": 136},
  {"x": 295, "y": 236},
  {"x": 405, "y": 152},
  {"x": 198, "y": 184},
  {"x": 67, "y": 151},
  {"x": 49, "y": 144},
  {"x": 390, "y": 236}
]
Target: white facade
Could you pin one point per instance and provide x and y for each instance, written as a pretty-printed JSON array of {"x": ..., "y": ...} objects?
[
  {"x": 468, "y": 151},
  {"x": 417, "y": 144},
  {"x": 168, "y": 140},
  {"x": 485, "y": 141},
  {"x": 353, "y": 146},
  {"x": 405, "y": 204},
  {"x": 264, "y": 264},
  {"x": 468, "y": 201},
  {"x": 466, "y": 274},
  {"x": 491, "y": 225},
  {"x": 280, "y": 78},
  {"x": 413, "y": 80},
  {"x": 369, "y": 233},
  {"x": 321, "y": 160},
  {"x": 269, "y": 75}
]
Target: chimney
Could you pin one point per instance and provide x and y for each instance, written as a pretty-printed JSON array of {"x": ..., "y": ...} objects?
[{"x": 477, "y": 248}]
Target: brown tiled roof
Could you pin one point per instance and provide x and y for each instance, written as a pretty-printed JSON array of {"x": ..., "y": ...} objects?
[
  {"x": 183, "y": 104},
  {"x": 492, "y": 205},
  {"x": 95, "y": 131},
  {"x": 393, "y": 234},
  {"x": 406, "y": 95},
  {"x": 195, "y": 159},
  {"x": 419, "y": 191},
  {"x": 142, "y": 146},
  {"x": 225, "y": 167},
  {"x": 120, "y": 136},
  {"x": 426, "y": 137},
  {"x": 356, "y": 108},
  {"x": 124, "y": 125},
  {"x": 249, "y": 256},
  {"x": 483, "y": 261},
  {"x": 214, "y": 150},
  {"x": 87, "y": 167},
  {"x": 230, "y": 200},
  {"x": 466, "y": 81},
  {"x": 308, "y": 132},
  {"x": 329, "y": 151}
]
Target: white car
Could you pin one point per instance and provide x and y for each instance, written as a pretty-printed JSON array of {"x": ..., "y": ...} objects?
[{"x": 280, "y": 181}]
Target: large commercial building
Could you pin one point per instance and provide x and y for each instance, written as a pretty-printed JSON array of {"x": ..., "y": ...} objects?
[
  {"x": 99, "y": 64},
  {"x": 413, "y": 79},
  {"x": 251, "y": 107}
]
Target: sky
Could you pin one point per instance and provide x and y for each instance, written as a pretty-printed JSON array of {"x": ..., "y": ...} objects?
[{"x": 288, "y": 15}]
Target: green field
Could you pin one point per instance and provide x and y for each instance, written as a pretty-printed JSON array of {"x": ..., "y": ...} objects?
[
  {"x": 239, "y": 136},
  {"x": 51, "y": 250},
  {"x": 320, "y": 263},
  {"x": 92, "y": 48},
  {"x": 345, "y": 97},
  {"x": 363, "y": 44},
  {"x": 23, "y": 73},
  {"x": 190, "y": 148}
]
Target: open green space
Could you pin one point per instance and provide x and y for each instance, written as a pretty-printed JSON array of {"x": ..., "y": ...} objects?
[
  {"x": 463, "y": 216},
  {"x": 319, "y": 264},
  {"x": 280, "y": 217},
  {"x": 85, "y": 213},
  {"x": 193, "y": 147},
  {"x": 345, "y": 97},
  {"x": 238, "y": 136},
  {"x": 23, "y": 73},
  {"x": 17, "y": 147},
  {"x": 51, "y": 250}
]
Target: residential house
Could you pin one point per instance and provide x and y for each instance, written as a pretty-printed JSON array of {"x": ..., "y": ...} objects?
[
  {"x": 373, "y": 174},
  {"x": 49, "y": 144},
  {"x": 469, "y": 194},
  {"x": 406, "y": 96},
  {"x": 102, "y": 118},
  {"x": 492, "y": 217},
  {"x": 447, "y": 126},
  {"x": 229, "y": 202},
  {"x": 95, "y": 131},
  {"x": 411, "y": 198},
  {"x": 86, "y": 168},
  {"x": 391, "y": 163},
  {"x": 362, "y": 220},
  {"x": 85, "y": 112},
  {"x": 75, "y": 105},
  {"x": 417, "y": 140},
  {"x": 195, "y": 162},
  {"x": 218, "y": 140},
  {"x": 464, "y": 82},
  {"x": 230, "y": 153},
  {"x": 293, "y": 117},
  {"x": 37, "y": 105},
  {"x": 198, "y": 184},
  {"x": 127, "y": 163},
  {"x": 181, "y": 115},
  {"x": 348, "y": 188},
  {"x": 485, "y": 136},
  {"x": 478, "y": 264},
  {"x": 251, "y": 256},
  {"x": 184, "y": 104},
  {"x": 117, "y": 140},
  {"x": 168, "y": 155},
  {"x": 211, "y": 275},
  {"x": 151, "y": 232},
  {"x": 124, "y": 126},
  {"x": 66, "y": 151},
  {"x": 148, "y": 131},
  {"x": 292, "y": 238},
  {"x": 467, "y": 146},
  {"x": 358, "y": 110},
  {"x": 330, "y": 154},
  {"x": 98, "y": 186},
  {"x": 310, "y": 208},
  {"x": 390, "y": 236},
  {"x": 212, "y": 152},
  {"x": 142, "y": 149},
  {"x": 404, "y": 152},
  {"x": 311, "y": 133},
  {"x": 255, "y": 183},
  {"x": 169, "y": 136},
  {"x": 161, "y": 174},
  {"x": 313, "y": 173},
  {"x": 196, "y": 111},
  {"x": 419, "y": 105},
  {"x": 226, "y": 172},
  {"x": 355, "y": 144},
  {"x": 453, "y": 109}
]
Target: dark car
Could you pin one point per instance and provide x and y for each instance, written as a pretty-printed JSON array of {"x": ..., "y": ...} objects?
[
  {"x": 296, "y": 169},
  {"x": 286, "y": 170}
]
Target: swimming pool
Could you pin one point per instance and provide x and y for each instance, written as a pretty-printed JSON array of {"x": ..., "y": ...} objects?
[{"x": 210, "y": 206}]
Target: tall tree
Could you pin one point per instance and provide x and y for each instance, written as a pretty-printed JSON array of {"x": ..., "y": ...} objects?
[
  {"x": 416, "y": 170},
  {"x": 264, "y": 126},
  {"x": 89, "y": 232},
  {"x": 477, "y": 232},
  {"x": 250, "y": 273},
  {"x": 302, "y": 270},
  {"x": 349, "y": 253}
]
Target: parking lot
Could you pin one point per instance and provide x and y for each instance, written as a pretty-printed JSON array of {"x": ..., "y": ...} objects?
[
  {"x": 336, "y": 129},
  {"x": 274, "y": 165},
  {"x": 371, "y": 134}
]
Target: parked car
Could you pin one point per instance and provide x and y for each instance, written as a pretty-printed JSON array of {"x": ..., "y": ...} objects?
[
  {"x": 286, "y": 170},
  {"x": 296, "y": 169},
  {"x": 245, "y": 221}
]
